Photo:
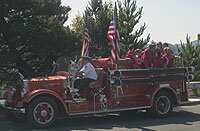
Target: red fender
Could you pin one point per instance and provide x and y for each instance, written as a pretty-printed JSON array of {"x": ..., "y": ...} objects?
[{"x": 38, "y": 92}]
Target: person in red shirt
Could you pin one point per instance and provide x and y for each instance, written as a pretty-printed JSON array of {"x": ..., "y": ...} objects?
[
  {"x": 160, "y": 61},
  {"x": 168, "y": 55},
  {"x": 167, "y": 45},
  {"x": 148, "y": 55},
  {"x": 159, "y": 46},
  {"x": 130, "y": 52},
  {"x": 138, "y": 61}
]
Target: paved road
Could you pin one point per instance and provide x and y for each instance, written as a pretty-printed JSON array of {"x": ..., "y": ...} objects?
[{"x": 183, "y": 119}]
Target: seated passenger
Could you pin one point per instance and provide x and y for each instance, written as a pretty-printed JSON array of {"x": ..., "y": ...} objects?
[
  {"x": 130, "y": 52},
  {"x": 168, "y": 55},
  {"x": 160, "y": 61},
  {"x": 86, "y": 75},
  {"x": 148, "y": 55},
  {"x": 159, "y": 46},
  {"x": 167, "y": 45},
  {"x": 137, "y": 59}
]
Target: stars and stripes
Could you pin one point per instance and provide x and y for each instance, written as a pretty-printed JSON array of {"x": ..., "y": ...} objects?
[
  {"x": 111, "y": 31},
  {"x": 85, "y": 43},
  {"x": 113, "y": 36}
]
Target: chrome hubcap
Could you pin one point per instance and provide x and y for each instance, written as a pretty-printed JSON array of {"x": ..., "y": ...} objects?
[
  {"x": 163, "y": 104},
  {"x": 43, "y": 113}
]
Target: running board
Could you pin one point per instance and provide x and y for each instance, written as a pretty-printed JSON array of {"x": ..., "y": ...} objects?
[{"x": 108, "y": 111}]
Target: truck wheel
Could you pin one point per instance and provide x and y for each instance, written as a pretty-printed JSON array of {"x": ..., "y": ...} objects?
[
  {"x": 162, "y": 105},
  {"x": 42, "y": 112}
]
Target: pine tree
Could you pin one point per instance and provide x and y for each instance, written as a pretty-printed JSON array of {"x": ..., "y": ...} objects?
[
  {"x": 98, "y": 16},
  {"x": 129, "y": 17},
  {"x": 32, "y": 35},
  {"x": 191, "y": 56},
  {"x": 198, "y": 37}
]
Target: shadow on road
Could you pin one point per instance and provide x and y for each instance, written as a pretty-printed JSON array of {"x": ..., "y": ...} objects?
[{"x": 138, "y": 120}]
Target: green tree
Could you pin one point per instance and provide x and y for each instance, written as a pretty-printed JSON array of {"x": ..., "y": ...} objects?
[
  {"x": 98, "y": 16},
  {"x": 129, "y": 17},
  {"x": 191, "y": 56},
  {"x": 32, "y": 35},
  {"x": 198, "y": 37}
]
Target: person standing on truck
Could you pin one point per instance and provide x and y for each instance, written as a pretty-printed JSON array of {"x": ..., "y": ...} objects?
[
  {"x": 86, "y": 75},
  {"x": 148, "y": 55}
]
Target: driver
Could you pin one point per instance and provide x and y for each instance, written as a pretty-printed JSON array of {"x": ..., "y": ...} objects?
[{"x": 86, "y": 75}]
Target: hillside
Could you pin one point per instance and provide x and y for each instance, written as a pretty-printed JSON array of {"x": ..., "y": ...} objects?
[{"x": 174, "y": 46}]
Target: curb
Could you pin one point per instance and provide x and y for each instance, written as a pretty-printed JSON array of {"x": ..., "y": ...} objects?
[{"x": 191, "y": 102}]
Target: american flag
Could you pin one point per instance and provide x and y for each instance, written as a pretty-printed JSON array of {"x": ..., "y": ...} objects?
[
  {"x": 85, "y": 43},
  {"x": 113, "y": 36}
]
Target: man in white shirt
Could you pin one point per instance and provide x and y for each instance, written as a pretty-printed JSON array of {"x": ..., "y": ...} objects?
[{"x": 86, "y": 75}]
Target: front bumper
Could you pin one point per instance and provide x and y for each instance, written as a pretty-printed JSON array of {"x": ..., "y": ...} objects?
[{"x": 5, "y": 108}]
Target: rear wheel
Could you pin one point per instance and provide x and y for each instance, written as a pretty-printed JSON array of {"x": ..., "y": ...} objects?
[
  {"x": 42, "y": 112},
  {"x": 162, "y": 105}
]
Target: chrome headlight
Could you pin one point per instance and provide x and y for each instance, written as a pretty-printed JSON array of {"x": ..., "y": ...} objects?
[
  {"x": 25, "y": 89},
  {"x": 23, "y": 92},
  {"x": 26, "y": 84}
]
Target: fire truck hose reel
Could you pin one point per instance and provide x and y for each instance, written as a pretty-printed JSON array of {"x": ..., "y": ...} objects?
[
  {"x": 152, "y": 70},
  {"x": 150, "y": 79}
]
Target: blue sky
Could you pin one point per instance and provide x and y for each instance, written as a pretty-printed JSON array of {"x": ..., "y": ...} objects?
[{"x": 166, "y": 20}]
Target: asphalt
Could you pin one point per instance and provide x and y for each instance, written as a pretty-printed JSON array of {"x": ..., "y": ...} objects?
[{"x": 192, "y": 101}]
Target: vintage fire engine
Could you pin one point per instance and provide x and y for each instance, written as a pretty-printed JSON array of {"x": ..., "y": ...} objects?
[{"x": 43, "y": 100}]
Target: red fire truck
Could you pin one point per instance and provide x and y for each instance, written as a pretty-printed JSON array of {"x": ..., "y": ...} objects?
[{"x": 43, "y": 100}]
